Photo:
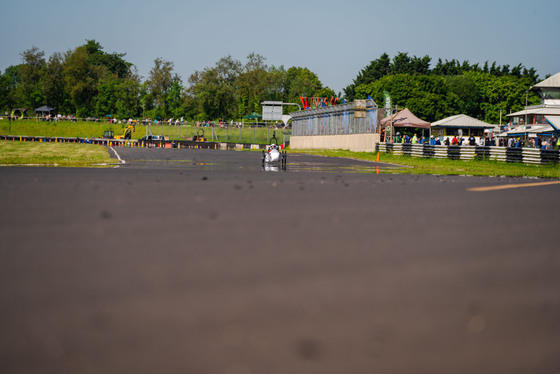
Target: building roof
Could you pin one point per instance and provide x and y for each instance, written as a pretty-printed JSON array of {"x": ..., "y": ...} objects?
[
  {"x": 554, "y": 122},
  {"x": 528, "y": 131},
  {"x": 542, "y": 110},
  {"x": 552, "y": 82},
  {"x": 462, "y": 121}
]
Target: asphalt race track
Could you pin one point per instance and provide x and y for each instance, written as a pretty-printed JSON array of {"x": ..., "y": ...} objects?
[{"x": 198, "y": 261}]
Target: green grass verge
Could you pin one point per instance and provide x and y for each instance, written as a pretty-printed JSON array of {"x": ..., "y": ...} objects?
[
  {"x": 53, "y": 154},
  {"x": 82, "y": 129},
  {"x": 447, "y": 167}
]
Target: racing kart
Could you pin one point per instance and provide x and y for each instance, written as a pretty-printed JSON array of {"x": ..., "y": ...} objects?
[{"x": 274, "y": 157}]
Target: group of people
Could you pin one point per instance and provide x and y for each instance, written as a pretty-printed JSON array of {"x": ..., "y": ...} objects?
[
  {"x": 471, "y": 140},
  {"x": 406, "y": 139},
  {"x": 46, "y": 117},
  {"x": 548, "y": 143},
  {"x": 56, "y": 118},
  {"x": 175, "y": 122},
  {"x": 222, "y": 124}
]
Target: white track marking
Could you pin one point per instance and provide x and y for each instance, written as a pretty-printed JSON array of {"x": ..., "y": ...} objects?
[{"x": 118, "y": 157}]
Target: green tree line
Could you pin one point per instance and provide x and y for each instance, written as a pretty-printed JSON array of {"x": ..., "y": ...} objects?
[
  {"x": 89, "y": 82},
  {"x": 485, "y": 92}
]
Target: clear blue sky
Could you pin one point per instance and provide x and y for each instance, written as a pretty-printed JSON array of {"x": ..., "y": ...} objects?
[{"x": 335, "y": 40}]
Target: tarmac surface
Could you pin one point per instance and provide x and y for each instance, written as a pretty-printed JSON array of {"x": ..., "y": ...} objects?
[{"x": 198, "y": 261}]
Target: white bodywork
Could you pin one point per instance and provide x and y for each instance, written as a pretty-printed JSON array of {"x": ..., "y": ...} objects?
[{"x": 273, "y": 155}]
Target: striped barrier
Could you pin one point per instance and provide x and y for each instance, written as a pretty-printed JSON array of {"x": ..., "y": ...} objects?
[
  {"x": 504, "y": 154},
  {"x": 167, "y": 144}
]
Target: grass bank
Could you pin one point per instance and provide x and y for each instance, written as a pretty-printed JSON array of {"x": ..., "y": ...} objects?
[
  {"x": 53, "y": 154},
  {"x": 83, "y": 129},
  {"x": 449, "y": 167}
]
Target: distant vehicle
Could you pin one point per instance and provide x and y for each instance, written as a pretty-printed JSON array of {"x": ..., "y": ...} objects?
[
  {"x": 108, "y": 134},
  {"x": 127, "y": 133},
  {"x": 154, "y": 138},
  {"x": 274, "y": 156}
]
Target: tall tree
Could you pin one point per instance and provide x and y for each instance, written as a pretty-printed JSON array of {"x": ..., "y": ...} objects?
[
  {"x": 53, "y": 82},
  {"x": 421, "y": 65},
  {"x": 401, "y": 64},
  {"x": 160, "y": 81},
  {"x": 376, "y": 69},
  {"x": 30, "y": 93},
  {"x": 128, "y": 95},
  {"x": 276, "y": 89},
  {"x": 253, "y": 82},
  {"x": 8, "y": 85},
  {"x": 81, "y": 81},
  {"x": 301, "y": 82},
  {"x": 467, "y": 95},
  {"x": 113, "y": 62}
]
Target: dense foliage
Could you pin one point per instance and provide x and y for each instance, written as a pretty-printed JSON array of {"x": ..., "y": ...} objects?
[
  {"x": 89, "y": 82},
  {"x": 447, "y": 89}
]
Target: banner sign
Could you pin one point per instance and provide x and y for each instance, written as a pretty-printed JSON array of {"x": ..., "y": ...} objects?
[{"x": 387, "y": 103}]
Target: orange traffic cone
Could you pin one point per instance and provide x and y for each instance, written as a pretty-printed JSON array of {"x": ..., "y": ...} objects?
[{"x": 378, "y": 158}]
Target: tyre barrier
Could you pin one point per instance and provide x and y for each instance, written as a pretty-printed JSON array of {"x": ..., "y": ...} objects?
[
  {"x": 532, "y": 156},
  {"x": 136, "y": 143}
]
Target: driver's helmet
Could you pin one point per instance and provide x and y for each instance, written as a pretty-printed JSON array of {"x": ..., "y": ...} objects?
[{"x": 273, "y": 146}]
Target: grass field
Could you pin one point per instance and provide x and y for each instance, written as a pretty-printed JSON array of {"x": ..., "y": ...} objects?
[
  {"x": 89, "y": 155},
  {"x": 450, "y": 167},
  {"x": 54, "y": 154},
  {"x": 82, "y": 129},
  {"x": 67, "y": 154}
]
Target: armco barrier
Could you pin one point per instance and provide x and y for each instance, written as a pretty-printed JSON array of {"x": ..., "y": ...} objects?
[{"x": 504, "y": 154}]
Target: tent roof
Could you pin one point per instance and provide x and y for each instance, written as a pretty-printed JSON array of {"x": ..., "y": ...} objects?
[
  {"x": 405, "y": 118},
  {"x": 552, "y": 82},
  {"x": 253, "y": 116},
  {"x": 462, "y": 121},
  {"x": 44, "y": 108}
]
